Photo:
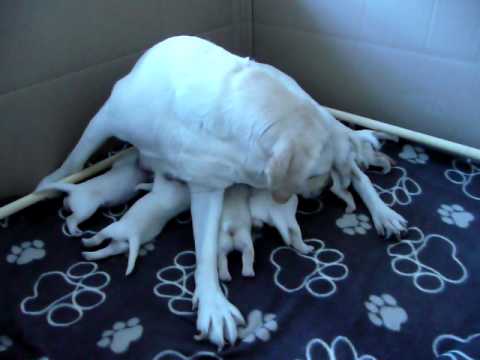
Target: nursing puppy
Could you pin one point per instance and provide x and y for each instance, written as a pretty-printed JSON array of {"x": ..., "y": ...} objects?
[
  {"x": 141, "y": 223},
  {"x": 236, "y": 231},
  {"x": 265, "y": 210},
  {"x": 114, "y": 187}
]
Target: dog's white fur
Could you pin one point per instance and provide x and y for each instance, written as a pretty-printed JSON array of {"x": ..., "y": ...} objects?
[
  {"x": 114, "y": 187},
  {"x": 142, "y": 222},
  {"x": 210, "y": 118}
]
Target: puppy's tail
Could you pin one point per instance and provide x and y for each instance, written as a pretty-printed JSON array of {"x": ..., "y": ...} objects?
[
  {"x": 133, "y": 248},
  {"x": 60, "y": 186}
]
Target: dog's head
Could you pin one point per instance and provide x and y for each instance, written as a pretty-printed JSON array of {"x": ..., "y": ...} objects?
[{"x": 299, "y": 163}]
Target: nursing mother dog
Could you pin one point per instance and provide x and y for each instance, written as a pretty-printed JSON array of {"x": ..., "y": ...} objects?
[{"x": 202, "y": 115}]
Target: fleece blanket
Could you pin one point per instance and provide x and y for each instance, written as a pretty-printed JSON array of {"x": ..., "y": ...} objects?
[{"x": 357, "y": 296}]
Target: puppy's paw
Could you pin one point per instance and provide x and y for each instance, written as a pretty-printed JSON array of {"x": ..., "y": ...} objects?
[
  {"x": 224, "y": 275},
  {"x": 302, "y": 248},
  {"x": 248, "y": 272}
]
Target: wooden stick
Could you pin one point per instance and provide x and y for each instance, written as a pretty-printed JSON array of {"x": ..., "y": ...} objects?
[
  {"x": 428, "y": 140},
  {"x": 35, "y": 197}
]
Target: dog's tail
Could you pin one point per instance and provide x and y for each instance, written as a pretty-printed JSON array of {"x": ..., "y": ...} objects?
[{"x": 133, "y": 248}]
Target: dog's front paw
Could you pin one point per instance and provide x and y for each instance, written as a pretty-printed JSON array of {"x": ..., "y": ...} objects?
[
  {"x": 388, "y": 222},
  {"x": 217, "y": 318}
]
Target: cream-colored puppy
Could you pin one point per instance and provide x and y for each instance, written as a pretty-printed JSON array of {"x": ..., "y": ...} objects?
[
  {"x": 142, "y": 222},
  {"x": 265, "y": 210},
  {"x": 236, "y": 231},
  {"x": 114, "y": 187}
]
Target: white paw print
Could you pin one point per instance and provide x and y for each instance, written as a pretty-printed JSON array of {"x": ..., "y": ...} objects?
[
  {"x": 119, "y": 338},
  {"x": 455, "y": 215},
  {"x": 26, "y": 252},
  {"x": 5, "y": 343},
  {"x": 384, "y": 311},
  {"x": 413, "y": 154},
  {"x": 352, "y": 223},
  {"x": 258, "y": 326}
]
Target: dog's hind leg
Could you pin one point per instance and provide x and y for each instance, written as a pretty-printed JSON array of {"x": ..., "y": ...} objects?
[{"x": 97, "y": 131}]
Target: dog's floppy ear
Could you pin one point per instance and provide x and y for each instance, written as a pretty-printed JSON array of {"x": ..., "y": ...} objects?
[{"x": 277, "y": 171}]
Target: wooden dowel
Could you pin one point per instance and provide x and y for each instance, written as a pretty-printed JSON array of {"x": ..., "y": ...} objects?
[
  {"x": 35, "y": 197},
  {"x": 428, "y": 140}
]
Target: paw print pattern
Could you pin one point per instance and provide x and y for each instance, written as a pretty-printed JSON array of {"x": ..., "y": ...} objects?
[
  {"x": 81, "y": 286},
  {"x": 401, "y": 192},
  {"x": 177, "y": 283},
  {"x": 317, "y": 272},
  {"x": 144, "y": 249},
  {"x": 119, "y": 338},
  {"x": 310, "y": 206},
  {"x": 455, "y": 215},
  {"x": 413, "y": 154},
  {"x": 259, "y": 326},
  {"x": 452, "y": 347},
  {"x": 184, "y": 218},
  {"x": 352, "y": 223},
  {"x": 431, "y": 261},
  {"x": 384, "y": 311},
  {"x": 5, "y": 343},
  {"x": 175, "y": 355},
  {"x": 115, "y": 214},
  {"x": 467, "y": 174},
  {"x": 63, "y": 216},
  {"x": 27, "y": 252},
  {"x": 341, "y": 348}
]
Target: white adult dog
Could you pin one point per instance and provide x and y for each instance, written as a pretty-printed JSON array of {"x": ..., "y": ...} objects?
[{"x": 210, "y": 118}]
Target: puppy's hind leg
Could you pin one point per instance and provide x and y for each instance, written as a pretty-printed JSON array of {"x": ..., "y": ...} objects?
[
  {"x": 100, "y": 237},
  {"x": 97, "y": 131},
  {"x": 223, "y": 272},
  {"x": 244, "y": 240},
  {"x": 80, "y": 214},
  {"x": 114, "y": 248},
  {"x": 224, "y": 247},
  {"x": 297, "y": 240}
]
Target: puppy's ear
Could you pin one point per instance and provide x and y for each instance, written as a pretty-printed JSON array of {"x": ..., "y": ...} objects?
[{"x": 277, "y": 171}]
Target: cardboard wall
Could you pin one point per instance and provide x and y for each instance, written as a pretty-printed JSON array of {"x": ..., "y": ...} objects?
[
  {"x": 59, "y": 60},
  {"x": 411, "y": 63}
]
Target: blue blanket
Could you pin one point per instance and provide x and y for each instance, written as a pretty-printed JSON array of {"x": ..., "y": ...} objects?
[{"x": 358, "y": 296}]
